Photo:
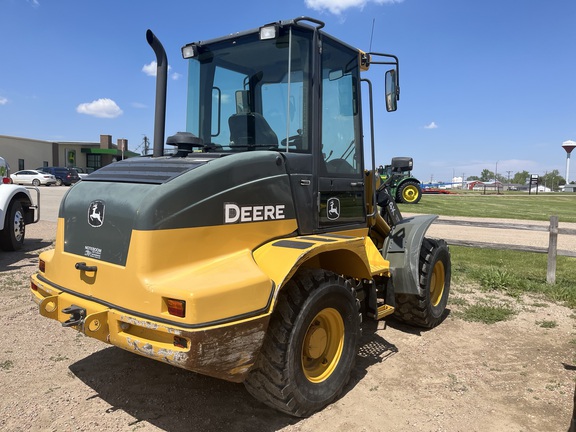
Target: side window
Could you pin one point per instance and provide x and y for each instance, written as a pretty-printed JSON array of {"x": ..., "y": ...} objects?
[
  {"x": 284, "y": 112},
  {"x": 340, "y": 145},
  {"x": 226, "y": 84}
]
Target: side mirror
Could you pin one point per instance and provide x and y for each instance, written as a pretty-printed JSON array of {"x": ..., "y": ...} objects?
[{"x": 392, "y": 91}]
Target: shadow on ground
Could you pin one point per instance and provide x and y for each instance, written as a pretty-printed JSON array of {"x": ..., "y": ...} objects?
[{"x": 177, "y": 400}]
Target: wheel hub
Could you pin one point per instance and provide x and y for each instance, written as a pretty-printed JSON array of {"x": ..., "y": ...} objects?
[
  {"x": 19, "y": 226},
  {"x": 316, "y": 341},
  {"x": 322, "y": 346}
]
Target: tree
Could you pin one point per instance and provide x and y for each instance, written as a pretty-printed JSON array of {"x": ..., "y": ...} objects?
[
  {"x": 501, "y": 178},
  {"x": 552, "y": 179},
  {"x": 472, "y": 178},
  {"x": 486, "y": 175},
  {"x": 521, "y": 177}
]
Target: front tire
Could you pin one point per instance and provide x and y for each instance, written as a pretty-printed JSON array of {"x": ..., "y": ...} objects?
[
  {"x": 310, "y": 347},
  {"x": 36, "y": 182},
  {"x": 426, "y": 309},
  {"x": 409, "y": 192},
  {"x": 12, "y": 236}
]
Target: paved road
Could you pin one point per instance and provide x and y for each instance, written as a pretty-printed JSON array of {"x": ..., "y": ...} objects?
[{"x": 50, "y": 198}]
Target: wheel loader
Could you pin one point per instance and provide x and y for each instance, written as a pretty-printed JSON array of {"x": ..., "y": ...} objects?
[{"x": 253, "y": 248}]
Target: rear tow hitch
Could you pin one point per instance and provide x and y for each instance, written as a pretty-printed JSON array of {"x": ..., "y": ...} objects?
[{"x": 77, "y": 316}]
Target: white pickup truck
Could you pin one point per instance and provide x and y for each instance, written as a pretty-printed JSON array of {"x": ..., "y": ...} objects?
[{"x": 16, "y": 210}]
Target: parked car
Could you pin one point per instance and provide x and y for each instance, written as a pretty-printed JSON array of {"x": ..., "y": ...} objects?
[
  {"x": 32, "y": 177},
  {"x": 64, "y": 176},
  {"x": 81, "y": 172}
]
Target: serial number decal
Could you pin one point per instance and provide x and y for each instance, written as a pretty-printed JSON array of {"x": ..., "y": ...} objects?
[
  {"x": 92, "y": 252},
  {"x": 233, "y": 213}
]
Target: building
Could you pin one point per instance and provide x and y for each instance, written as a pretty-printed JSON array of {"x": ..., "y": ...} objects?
[{"x": 27, "y": 153}]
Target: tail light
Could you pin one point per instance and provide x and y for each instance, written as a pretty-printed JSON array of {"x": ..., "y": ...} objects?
[
  {"x": 176, "y": 307},
  {"x": 42, "y": 266}
]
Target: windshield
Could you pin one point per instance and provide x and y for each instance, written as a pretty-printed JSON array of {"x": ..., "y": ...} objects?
[{"x": 247, "y": 94}]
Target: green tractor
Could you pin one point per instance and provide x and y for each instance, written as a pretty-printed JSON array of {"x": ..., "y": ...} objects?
[{"x": 403, "y": 187}]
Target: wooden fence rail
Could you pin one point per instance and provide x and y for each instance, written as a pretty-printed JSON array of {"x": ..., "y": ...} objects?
[{"x": 552, "y": 249}]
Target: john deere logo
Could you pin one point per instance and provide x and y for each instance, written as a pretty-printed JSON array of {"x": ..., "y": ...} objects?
[
  {"x": 333, "y": 208},
  {"x": 96, "y": 214}
]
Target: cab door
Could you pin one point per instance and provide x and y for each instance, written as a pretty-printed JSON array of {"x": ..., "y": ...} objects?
[{"x": 340, "y": 162}]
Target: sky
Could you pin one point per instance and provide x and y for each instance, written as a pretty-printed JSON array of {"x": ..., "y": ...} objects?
[{"x": 485, "y": 84}]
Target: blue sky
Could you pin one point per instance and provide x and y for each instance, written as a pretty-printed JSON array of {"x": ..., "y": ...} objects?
[{"x": 484, "y": 84}]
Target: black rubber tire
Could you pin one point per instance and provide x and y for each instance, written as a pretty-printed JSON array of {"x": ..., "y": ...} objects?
[
  {"x": 36, "y": 182},
  {"x": 12, "y": 236},
  {"x": 426, "y": 309},
  {"x": 59, "y": 182},
  {"x": 283, "y": 376},
  {"x": 409, "y": 192}
]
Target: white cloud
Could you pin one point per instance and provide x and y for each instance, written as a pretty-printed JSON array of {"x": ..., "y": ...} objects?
[
  {"x": 3, "y": 100},
  {"x": 338, "y": 6},
  {"x": 102, "y": 108},
  {"x": 139, "y": 105},
  {"x": 432, "y": 125},
  {"x": 151, "y": 68}
]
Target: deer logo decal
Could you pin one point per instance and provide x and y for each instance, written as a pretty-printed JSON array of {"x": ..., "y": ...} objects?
[
  {"x": 96, "y": 214},
  {"x": 333, "y": 208}
]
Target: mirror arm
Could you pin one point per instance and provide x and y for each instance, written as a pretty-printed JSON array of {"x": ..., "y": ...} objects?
[{"x": 394, "y": 62}]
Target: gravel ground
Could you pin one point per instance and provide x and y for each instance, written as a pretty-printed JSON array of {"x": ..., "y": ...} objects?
[{"x": 511, "y": 376}]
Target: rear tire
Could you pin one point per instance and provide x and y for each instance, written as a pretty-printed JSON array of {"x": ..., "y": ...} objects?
[
  {"x": 12, "y": 236},
  {"x": 426, "y": 309},
  {"x": 409, "y": 192},
  {"x": 58, "y": 182},
  {"x": 311, "y": 345}
]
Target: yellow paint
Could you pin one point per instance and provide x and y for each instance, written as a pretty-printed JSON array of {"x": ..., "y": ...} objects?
[{"x": 212, "y": 270}]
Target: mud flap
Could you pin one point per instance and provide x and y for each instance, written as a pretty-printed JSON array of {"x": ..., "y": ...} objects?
[{"x": 402, "y": 249}]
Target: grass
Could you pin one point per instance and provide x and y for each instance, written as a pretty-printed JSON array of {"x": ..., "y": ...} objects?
[
  {"x": 547, "y": 324},
  {"x": 511, "y": 272},
  {"x": 511, "y": 206},
  {"x": 514, "y": 273},
  {"x": 487, "y": 314}
]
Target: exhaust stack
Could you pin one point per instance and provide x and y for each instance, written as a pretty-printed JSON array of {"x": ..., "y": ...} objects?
[{"x": 161, "y": 79}]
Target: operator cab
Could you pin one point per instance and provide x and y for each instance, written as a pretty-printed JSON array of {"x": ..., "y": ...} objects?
[{"x": 286, "y": 87}]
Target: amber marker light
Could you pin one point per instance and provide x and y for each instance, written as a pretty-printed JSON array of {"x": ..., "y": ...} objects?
[
  {"x": 176, "y": 307},
  {"x": 41, "y": 266}
]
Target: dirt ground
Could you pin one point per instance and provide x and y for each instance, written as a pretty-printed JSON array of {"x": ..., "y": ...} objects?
[{"x": 511, "y": 376}]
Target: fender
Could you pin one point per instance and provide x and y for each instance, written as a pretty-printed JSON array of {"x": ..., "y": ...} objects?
[
  {"x": 8, "y": 192},
  {"x": 346, "y": 255},
  {"x": 402, "y": 249}
]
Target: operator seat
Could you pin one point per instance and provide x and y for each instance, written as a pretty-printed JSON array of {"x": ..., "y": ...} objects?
[{"x": 251, "y": 130}]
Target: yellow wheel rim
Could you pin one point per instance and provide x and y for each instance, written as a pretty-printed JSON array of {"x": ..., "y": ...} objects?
[
  {"x": 322, "y": 347},
  {"x": 410, "y": 193},
  {"x": 437, "y": 283}
]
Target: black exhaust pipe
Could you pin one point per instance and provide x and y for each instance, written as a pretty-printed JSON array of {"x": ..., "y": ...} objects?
[{"x": 161, "y": 79}]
